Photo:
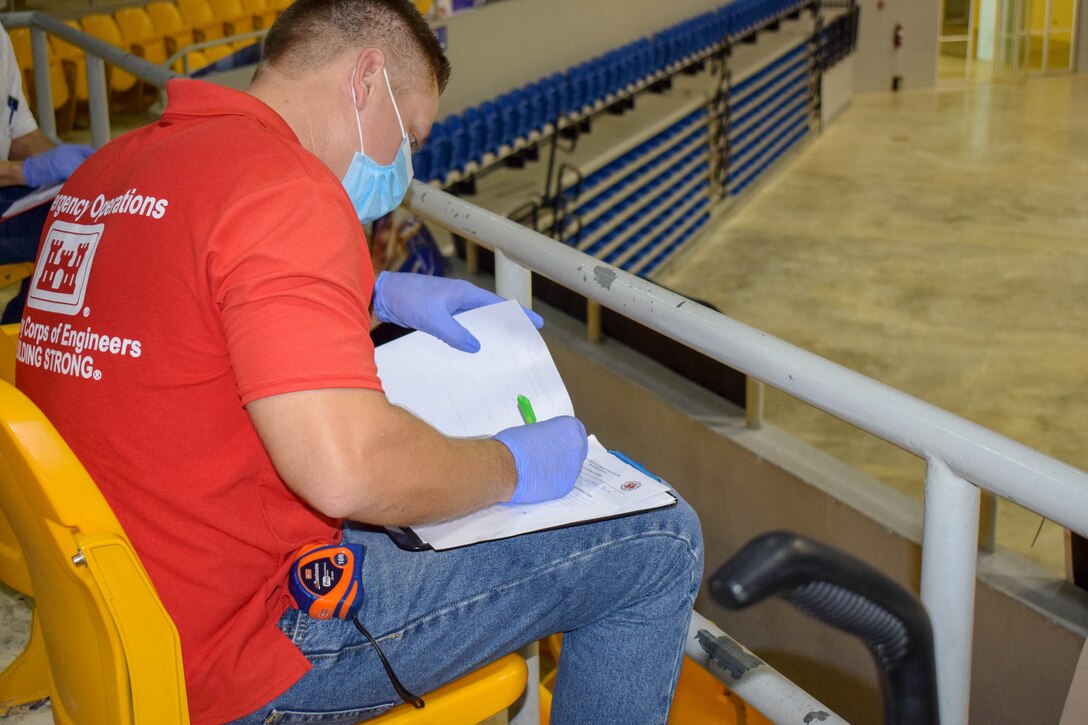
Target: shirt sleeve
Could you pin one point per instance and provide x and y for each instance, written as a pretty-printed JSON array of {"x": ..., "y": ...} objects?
[
  {"x": 22, "y": 121},
  {"x": 289, "y": 271}
]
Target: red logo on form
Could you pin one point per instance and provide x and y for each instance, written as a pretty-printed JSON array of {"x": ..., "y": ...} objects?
[
  {"x": 60, "y": 279},
  {"x": 630, "y": 486}
]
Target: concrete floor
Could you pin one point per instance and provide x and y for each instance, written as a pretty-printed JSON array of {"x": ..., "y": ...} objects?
[{"x": 934, "y": 240}]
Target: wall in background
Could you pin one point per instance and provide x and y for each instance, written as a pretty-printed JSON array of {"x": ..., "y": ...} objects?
[
  {"x": 877, "y": 61},
  {"x": 499, "y": 47}
]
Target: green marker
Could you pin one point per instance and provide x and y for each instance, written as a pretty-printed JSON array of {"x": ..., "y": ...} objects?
[{"x": 526, "y": 409}]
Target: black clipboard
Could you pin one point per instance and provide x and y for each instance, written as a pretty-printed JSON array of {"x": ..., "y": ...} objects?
[{"x": 407, "y": 539}]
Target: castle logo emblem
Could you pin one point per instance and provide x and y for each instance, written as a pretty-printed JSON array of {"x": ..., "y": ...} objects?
[{"x": 60, "y": 278}]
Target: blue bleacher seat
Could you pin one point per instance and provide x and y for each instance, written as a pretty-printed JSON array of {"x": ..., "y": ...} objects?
[
  {"x": 492, "y": 122},
  {"x": 476, "y": 134},
  {"x": 458, "y": 142},
  {"x": 508, "y": 117},
  {"x": 440, "y": 152},
  {"x": 421, "y": 163}
]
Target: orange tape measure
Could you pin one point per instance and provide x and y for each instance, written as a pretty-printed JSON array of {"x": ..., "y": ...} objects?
[{"x": 326, "y": 581}]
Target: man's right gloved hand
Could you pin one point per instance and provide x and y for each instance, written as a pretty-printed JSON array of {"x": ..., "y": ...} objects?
[
  {"x": 55, "y": 165},
  {"x": 548, "y": 457}
]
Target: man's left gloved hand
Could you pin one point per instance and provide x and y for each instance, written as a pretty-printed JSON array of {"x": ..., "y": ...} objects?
[
  {"x": 55, "y": 165},
  {"x": 428, "y": 303}
]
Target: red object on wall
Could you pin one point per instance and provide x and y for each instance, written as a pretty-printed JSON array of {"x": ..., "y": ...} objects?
[{"x": 897, "y": 41}]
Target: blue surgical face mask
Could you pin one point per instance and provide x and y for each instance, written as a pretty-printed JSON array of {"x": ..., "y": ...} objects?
[{"x": 374, "y": 189}]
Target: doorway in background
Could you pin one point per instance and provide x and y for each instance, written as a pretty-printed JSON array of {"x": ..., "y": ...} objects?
[{"x": 985, "y": 39}]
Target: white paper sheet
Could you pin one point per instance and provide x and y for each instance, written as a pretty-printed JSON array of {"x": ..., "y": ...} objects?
[
  {"x": 475, "y": 394},
  {"x": 31, "y": 200}
]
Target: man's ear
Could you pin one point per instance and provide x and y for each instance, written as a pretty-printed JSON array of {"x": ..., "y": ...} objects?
[{"x": 367, "y": 75}]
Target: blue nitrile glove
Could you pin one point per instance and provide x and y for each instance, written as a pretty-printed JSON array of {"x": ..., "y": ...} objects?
[
  {"x": 428, "y": 303},
  {"x": 55, "y": 165},
  {"x": 548, "y": 457}
]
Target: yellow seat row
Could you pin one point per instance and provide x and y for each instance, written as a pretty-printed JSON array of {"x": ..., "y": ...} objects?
[{"x": 154, "y": 32}]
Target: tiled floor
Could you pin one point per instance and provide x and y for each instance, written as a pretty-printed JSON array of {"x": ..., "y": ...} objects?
[{"x": 936, "y": 240}]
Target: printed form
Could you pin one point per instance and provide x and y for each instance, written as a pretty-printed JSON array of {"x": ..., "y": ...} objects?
[{"x": 475, "y": 395}]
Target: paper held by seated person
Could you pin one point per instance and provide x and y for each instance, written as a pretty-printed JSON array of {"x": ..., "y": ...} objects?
[
  {"x": 475, "y": 395},
  {"x": 33, "y": 199}
]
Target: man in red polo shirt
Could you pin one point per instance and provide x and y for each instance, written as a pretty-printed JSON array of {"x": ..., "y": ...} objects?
[{"x": 197, "y": 329}]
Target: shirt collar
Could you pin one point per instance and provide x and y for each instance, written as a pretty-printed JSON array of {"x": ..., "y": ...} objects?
[{"x": 187, "y": 97}]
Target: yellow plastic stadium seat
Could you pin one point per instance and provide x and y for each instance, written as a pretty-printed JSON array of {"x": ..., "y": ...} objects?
[
  {"x": 24, "y": 56},
  {"x": 234, "y": 17},
  {"x": 467, "y": 701},
  {"x": 700, "y": 698},
  {"x": 168, "y": 22},
  {"x": 199, "y": 16},
  {"x": 26, "y": 679},
  {"x": 105, "y": 28},
  {"x": 74, "y": 62},
  {"x": 139, "y": 32},
  {"x": 235, "y": 20},
  {"x": 113, "y": 652},
  {"x": 263, "y": 15},
  {"x": 176, "y": 35},
  {"x": 279, "y": 5}
]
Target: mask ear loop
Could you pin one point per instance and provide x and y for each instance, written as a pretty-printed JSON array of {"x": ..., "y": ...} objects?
[
  {"x": 394, "y": 100},
  {"x": 354, "y": 102}
]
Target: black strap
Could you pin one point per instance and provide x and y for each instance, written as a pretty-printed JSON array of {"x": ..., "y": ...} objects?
[{"x": 404, "y": 692}]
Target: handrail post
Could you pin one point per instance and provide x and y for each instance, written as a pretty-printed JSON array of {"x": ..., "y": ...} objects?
[
  {"x": 43, "y": 85},
  {"x": 98, "y": 101},
  {"x": 987, "y": 528},
  {"x": 753, "y": 402},
  {"x": 949, "y": 567},
  {"x": 594, "y": 321},
  {"x": 513, "y": 281}
]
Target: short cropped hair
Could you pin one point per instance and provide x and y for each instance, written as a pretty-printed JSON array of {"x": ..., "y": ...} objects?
[{"x": 309, "y": 34}]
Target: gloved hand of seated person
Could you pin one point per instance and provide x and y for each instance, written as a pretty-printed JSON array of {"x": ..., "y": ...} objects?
[
  {"x": 548, "y": 456},
  {"x": 55, "y": 165},
  {"x": 427, "y": 303}
]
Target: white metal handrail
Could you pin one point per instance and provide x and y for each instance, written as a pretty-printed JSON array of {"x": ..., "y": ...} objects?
[
  {"x": 183, "y": 52},
  {"x": 961, "y": 456},
  {"x": 98, "y": 53}
]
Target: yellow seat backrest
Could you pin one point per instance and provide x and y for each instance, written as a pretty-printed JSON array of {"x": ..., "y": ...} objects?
[
  {"x": 13, "y": 571},
  {"x": 114, "y": 654},
  {"x": 73, "y": 56},
  {"x": 231, "y": 14},
  {"x": 263, "y": 14},
  {"x": 139, "y": 32},
  {"x": 24, "y": 56},
  {"x": 168, "y": 21},
  {"x": 105, "y": 28},
  {"x": 20, "y": 43},
  {"x": 199, "y": 16}
]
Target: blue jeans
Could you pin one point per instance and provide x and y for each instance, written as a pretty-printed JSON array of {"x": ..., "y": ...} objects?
[
  {"x": 19, "y": 237},
  {"x": 620, "y": 590}
]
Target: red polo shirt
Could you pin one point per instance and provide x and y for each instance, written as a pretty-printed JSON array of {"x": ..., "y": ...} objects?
[{"x": 189, "y": 268}]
